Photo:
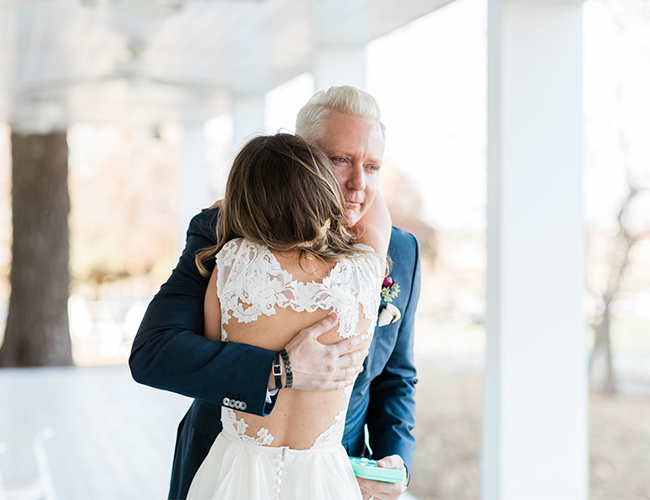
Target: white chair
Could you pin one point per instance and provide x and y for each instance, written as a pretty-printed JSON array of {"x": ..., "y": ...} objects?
[{"x": 43, "y": 487}]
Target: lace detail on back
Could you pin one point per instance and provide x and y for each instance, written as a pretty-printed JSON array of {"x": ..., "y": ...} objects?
[
  {"x": 332, "y": 435},
  {"x": 237, "y": 428},
  {"x": 251, "y": 283}
]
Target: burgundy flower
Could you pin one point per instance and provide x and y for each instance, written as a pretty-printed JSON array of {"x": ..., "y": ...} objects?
[{"x": 389, "y": 289}]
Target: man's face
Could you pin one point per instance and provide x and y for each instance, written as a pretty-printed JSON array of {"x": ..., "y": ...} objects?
[{"x": 355, "y": 146}]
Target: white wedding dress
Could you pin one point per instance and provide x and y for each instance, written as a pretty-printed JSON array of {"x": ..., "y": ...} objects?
[{"x": 251, "y": 283}]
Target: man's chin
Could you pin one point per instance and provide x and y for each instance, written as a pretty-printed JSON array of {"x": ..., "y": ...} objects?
[{"x": 352, "y": 216}]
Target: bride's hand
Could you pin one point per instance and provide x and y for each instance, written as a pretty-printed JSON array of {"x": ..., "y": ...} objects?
[
  {"x": 320, "y": 367},
  {"x": 216, "y": 204}
]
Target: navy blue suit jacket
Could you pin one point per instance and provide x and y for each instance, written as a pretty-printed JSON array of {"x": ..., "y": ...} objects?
[{"x": 170, "y": 352}]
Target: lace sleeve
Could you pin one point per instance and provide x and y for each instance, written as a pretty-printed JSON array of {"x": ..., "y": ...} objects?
[
  {"x": 371, "y": 274},
  {"x": 356, "y": 280},
  {"x": 252, "y": 283},
  {"x": 225, "y": 262}
]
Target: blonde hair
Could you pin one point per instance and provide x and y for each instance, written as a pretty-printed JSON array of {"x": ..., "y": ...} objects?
[
  {"x": 310, "y": 122},
  {"x": 282, "y": 193}
]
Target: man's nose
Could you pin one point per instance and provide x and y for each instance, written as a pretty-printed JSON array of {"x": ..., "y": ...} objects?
[{"x": 357, "y": 179}]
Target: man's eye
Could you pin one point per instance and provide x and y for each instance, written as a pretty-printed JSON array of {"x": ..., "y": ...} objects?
[
  {"x": 339, "y": 160},
  {"x": 374, "y": 168}
]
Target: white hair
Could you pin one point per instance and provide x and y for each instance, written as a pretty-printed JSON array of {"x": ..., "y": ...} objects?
[{"x": 310, "y": 122}]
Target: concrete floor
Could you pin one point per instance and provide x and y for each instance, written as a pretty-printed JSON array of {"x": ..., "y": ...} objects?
[
  {"x": 110, "y": 437},
  {"x": 86, "y": 434}
]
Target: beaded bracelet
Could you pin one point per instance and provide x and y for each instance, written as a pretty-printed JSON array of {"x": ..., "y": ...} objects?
[{"x": 287, "y": 368}]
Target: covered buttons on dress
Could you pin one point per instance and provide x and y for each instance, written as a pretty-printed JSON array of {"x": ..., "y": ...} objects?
[{"x": 278, "y": 471}]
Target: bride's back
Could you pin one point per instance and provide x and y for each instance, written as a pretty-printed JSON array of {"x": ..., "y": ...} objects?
[
  {"x": 266, "y": 298},
  {"x": 282, "y": 195}
]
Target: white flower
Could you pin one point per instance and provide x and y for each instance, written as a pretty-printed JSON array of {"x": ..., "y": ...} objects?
[{"x": 388, "y": 315}]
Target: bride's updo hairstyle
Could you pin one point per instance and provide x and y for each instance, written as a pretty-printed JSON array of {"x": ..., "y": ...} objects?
[{"x": 282, "y": 193}]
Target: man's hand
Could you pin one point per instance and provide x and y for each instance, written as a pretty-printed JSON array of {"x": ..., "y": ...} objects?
[
  {"x": 378, "y": 490},
  {"x": 216, "y": 204},
  {"x": 319, "y": 367}
]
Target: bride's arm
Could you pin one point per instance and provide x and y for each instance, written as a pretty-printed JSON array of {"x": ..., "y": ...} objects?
[
  {"x": 212, "y": 309},
  {"x": 374, "y": 227}
]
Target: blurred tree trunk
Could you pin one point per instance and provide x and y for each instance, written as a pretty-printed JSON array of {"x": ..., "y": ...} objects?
[
  {"x": 601, "y": 353},
  {"x": 38, "y": 332}
]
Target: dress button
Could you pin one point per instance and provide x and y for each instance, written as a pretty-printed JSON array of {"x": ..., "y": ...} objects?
[
  {"x": 279, "y": 481},
  {"x": 279, "y": 464},
  {"x": 226, "y": 402},
  {"x": 244, "y": 406},
  {"x": 278, "y": 455},
  {"x": 278, "y": 490},
  {"x": 279, "y": 472}
]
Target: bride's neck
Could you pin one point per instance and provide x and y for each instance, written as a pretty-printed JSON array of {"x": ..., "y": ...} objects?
[{"x": 305, "y": 261}]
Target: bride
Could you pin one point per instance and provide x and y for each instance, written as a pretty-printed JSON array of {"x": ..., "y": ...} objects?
[{"x": 286, "y": 259}]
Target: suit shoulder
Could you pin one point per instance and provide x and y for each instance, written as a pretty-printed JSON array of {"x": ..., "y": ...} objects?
[
  {"x": 402, "y": 241},
  {"x": 204, "y": 223}
]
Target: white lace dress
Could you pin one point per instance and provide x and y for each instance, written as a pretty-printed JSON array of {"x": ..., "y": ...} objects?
[{"x": 251, "y": 283}]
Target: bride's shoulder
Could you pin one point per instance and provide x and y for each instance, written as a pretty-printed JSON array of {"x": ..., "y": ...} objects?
[
  {"x": 231, "y": 244},
  {"x": 244, "y": 247},
  {"x": 365, "y": 256},
  {"x": 237, "y": 243},
  {"x": 229, "y": 250},
  {"x": 364, "y": 248}
]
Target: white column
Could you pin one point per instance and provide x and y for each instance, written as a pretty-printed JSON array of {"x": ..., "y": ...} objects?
[
  {"x": 248, "y": 116},
  {"x": 339, "y": 65},
  {"x": 535, "y": 425},
  {"x": 196, "y": 191}
]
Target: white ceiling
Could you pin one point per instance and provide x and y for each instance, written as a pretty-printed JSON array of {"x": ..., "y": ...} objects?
[{"x": 154, "y": 60}]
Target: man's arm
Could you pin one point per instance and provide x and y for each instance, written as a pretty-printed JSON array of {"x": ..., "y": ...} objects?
[{"x": 170, "y": 352}]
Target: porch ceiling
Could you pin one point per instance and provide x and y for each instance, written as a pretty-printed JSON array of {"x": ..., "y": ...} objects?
[{"x": 145, "y": 60}]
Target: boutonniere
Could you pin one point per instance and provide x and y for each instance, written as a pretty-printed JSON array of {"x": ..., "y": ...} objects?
[
  {"x": 389, "y": 289},
  {"x": 390, "y": 313}
]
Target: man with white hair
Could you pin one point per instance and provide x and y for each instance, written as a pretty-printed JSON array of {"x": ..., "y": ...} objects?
[{"x": 170, "y": 352}]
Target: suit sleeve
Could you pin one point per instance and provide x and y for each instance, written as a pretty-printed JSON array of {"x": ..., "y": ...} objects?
[
  {"x": 391, "y": 411},
  {"x": 170, "y": 352}
]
